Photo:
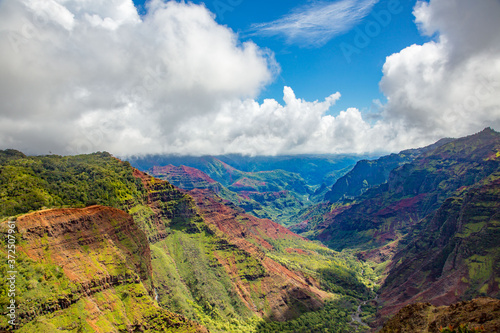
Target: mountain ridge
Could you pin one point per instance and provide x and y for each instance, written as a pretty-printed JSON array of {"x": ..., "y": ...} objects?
[
  {"x": 413, "y": 190},
  {"x": 370, "y": 173}
]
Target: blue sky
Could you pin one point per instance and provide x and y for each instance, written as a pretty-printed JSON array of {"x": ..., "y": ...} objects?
[
  {"x": 195, "y": 78},
  {"x": 316, "y": 71}
]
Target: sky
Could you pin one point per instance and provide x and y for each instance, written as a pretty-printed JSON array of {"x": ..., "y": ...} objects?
[{"x": 250, "y": 77}]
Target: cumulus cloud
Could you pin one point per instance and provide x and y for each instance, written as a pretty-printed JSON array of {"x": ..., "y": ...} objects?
[
  {"x": 315, "y": 24},
  {"x": 451, "y": 85},
  {"x": 78, "y": 76}
]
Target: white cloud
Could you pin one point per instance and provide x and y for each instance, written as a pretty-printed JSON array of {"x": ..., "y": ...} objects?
[
  {"x": 315, "y": 24},
  {"x": 53, "y": 11},
  {"x": 79, "y": 67},
  {"x": 84, "y": 75},
  {"x": 297, "y": 127},
  {"x": 450, "y": 86}
]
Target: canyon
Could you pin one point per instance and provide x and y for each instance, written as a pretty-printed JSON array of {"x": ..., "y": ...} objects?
[{"x": 147, "y": 245}]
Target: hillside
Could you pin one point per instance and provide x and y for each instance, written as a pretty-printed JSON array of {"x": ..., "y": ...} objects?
[
  {"x": 452, "y": 254},
  {"x": 370, "y": 173},
  {"x": 366, "y": 174},
  {"x": 278, "y": 195},
  {"x": 211, "y": 264},
  {"x": 386, "y": 212},
  {"x": 87, "y": 269},
  {"x": 244, "y": 265}
]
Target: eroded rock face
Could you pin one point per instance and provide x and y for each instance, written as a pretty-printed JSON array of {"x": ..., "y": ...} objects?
[
  {"x": 103, "y": 274},
  {"x": 237, "y": 240},
  {"x": 424, "y": 317},
  {"x": 451, "y": 258},
  {"x": 234, "y": 223},
  {"x": 280, "y": 286},
  {"x": 97, "y": 246}
]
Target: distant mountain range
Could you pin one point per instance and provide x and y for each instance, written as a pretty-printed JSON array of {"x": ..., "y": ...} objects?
[
  {"x": 191, "y": 244},
  {"x": 277, "y": 188},
  {"x": 314, "y": 169},
  {"x": 370, "y": 173}
]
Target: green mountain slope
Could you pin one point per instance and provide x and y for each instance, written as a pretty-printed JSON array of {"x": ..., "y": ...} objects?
[
  {"x": 210, "y": 262},
  {"x": 387, "y": 212},
  {"x": 232, "y": 268},
  {"x": 30, "y": 183},
  {"x": 85, "y": 270}
]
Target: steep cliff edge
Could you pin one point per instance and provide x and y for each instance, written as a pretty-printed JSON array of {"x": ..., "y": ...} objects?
[
  {"x": 95, "y": 246},
  {"x": 226, "y": 256},
  {"x": 452, "y": 254},
  {"x": 86, "y": 269}
]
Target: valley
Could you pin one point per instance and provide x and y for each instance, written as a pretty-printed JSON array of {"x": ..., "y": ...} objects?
[
  {"x": 230, "y": 166},
  {"x": 313, "y": 243}
]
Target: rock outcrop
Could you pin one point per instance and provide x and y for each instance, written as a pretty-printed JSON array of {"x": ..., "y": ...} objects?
[
  {"x": 71, "y": 238},
  {"x": 425, "y": 318}
]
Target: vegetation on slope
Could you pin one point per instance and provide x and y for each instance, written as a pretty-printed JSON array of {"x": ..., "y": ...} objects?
[
  {"x": 84, "y": 270},
  {"x": 277, "y": 188},
  {"x": 334, "y": 317},
  {"x": 31, "y": 183},
  {"x": 224, "y": 282},
  {"x": 451, "y": 254},
  {"x": 196, "y": 271}
]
